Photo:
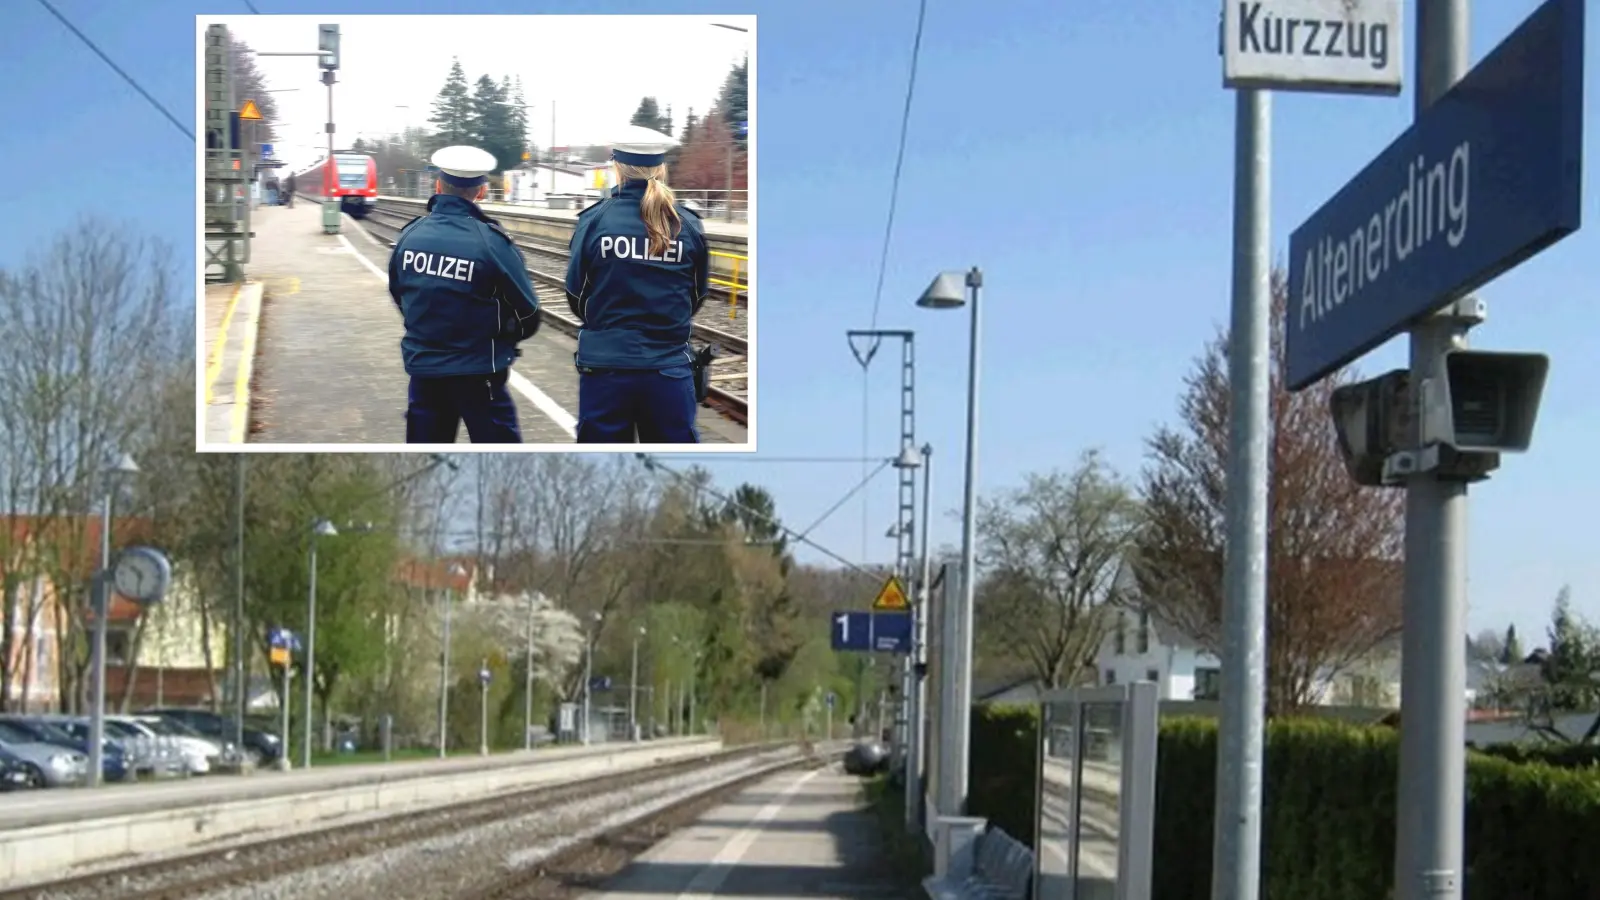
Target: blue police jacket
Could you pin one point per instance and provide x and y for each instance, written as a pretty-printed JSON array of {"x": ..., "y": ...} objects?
[
  {"x": 461, "y": 284},
  {"x": 636, "y": 308}
]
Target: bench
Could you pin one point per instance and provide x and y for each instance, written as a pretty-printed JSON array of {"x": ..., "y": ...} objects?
[{"x": 1002, "y": 869}]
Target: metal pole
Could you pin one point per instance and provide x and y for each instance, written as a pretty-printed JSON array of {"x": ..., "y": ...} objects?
[
  {"x": 311, "y": 656},
  {"x": 633, "y": 695},
  {"x": 960, "y": 727},
  {"x": 240, "y": 670},
  {"x": 763, "y": 709},
  {"x": 727, "y": 210},
  {"x": 444, "y": 679},
  {"x": 916, "y": 746},
  {"x": 527, "y": 685},
  {"x": 694, "y": 677},
  {"x": 483, "y": 712},
  {"x": 1431, "y": 801},
  {"x": 588, "y": 678},
  {"x": 1236, "y": 848},
  {"x": 100, "y": 587},
  {"x": 283, "y": 725}
]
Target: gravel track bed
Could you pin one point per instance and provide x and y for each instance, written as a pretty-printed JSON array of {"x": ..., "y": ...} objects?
[
  {"x": 488, "y": 858},
  {"x": 269, "y": 866}
]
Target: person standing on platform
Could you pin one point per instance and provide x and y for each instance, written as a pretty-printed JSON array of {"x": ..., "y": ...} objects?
[
  {"x": 638, "y": 272},
  {"x": 461, "y": 284},
  {"x": 288, "y": 191}
]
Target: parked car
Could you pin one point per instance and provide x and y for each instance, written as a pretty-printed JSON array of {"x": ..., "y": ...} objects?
[
  {"x": 260, "y": 747},
  {"x": 13, "y": 772},
  {"x": 113, "y": 762},
  {"x": 159, "y": 758},
  {"x": 200, "y": 753},
  {"x": 45, "y": 764}
]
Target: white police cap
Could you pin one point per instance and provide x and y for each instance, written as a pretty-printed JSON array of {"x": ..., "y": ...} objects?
[
  {"x": 640, "y": 146},
  {"x": 463, "y": 166}
]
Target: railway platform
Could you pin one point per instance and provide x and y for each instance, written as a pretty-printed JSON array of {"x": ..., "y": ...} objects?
[
  {"x": 326, "y": 362},
  {"x": 796, "y": 834}
]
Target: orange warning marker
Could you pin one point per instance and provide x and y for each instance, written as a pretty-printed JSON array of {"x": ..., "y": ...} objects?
[
  {"x": 249, "y": 110},
  {"x": 892, "y": 598}
]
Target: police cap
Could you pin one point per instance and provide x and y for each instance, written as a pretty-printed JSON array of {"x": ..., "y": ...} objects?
[
  {"x": 640, "y": 146},
  {"x": 464, "y": 166}
]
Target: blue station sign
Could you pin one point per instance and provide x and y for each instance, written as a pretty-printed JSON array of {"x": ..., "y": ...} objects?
[{"x": 1488, "y": 176}]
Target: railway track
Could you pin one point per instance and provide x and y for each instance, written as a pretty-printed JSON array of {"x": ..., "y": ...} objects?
[
  {"x": 547, "y": 265},
  {"x": 492, "y": 847}
]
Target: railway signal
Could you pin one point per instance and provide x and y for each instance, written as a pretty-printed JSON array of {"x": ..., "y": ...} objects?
[{"x": 328, "y": 43}]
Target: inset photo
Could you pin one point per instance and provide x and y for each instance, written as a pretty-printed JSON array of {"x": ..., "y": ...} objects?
[{"x": 411, "y": 242}]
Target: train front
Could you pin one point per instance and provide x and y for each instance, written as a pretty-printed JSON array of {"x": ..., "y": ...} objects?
[{"x": 357, "y": 189}]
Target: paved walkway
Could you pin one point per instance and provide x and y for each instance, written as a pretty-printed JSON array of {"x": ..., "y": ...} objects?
[
  {"x": 329, "y": 348},
  {"x": 797, "y": 834}
]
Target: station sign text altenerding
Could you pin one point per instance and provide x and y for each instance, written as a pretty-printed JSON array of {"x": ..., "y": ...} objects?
[{"x": 1488, "y": 176}]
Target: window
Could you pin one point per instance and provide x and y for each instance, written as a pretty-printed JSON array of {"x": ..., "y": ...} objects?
[
  {"x": 1207, "y": 684},
  {"x": 1144, "y": 632},
  {"x": 1152, "y": 675},
  {"x": 1122, "y": 634},
  {"x": 117, "y": 647},
  {"x": 1111, "y": 676}
]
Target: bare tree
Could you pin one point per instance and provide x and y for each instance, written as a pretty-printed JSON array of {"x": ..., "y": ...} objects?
[
  {"x": 93, "y": 328},
  {"x": 1050, "y": 554},
  {"x": 1333, "y": 573}
]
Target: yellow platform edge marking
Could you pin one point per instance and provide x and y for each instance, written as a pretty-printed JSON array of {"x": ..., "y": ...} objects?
[
  {"x": 214, "y": 358},
  {"x": 239, "y": 425}
]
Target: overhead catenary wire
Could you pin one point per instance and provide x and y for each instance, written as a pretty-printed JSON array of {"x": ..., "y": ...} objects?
[{"x": 116, "y": 68}]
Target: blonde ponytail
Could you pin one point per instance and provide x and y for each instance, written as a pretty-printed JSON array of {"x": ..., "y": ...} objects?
[{"x": 658, "y": 208}]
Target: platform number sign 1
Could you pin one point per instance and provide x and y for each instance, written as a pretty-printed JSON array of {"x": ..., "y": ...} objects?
[{"x": 852, "y": 631}]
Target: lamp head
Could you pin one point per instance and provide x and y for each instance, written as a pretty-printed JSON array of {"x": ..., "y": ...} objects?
[
  {"x": 323, "y": 528},
  {"x": 948, "y": 291}
]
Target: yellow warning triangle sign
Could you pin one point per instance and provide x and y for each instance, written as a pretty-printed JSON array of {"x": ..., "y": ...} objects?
[
  {"x": 892, "y": 598},
  {"x": 249, "y": 110}
]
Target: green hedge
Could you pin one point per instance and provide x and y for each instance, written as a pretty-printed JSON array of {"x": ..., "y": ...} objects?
[
  {"x": 1533, "y": 830},
  {"x": 1562, "y": 756}
]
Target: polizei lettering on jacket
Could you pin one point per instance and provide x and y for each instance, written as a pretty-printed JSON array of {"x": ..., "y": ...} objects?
[
  {"x": 1262, "y": 32},
  {"x": 639, "y": 248},
  {"x": 438, "y": 265},
  {"x": 1432, "y": 205}
]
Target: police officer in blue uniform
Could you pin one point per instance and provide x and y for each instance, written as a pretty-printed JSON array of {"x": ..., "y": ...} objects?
[
  {"x": 638, "y": 273},
  {"x": 460, "y": 282}
]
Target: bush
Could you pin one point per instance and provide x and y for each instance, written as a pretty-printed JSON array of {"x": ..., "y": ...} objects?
[
  {"x": 1003, "y": 768},
  {"x": 1328, "y": 817},
  {"x": 1562, "y": 756}
]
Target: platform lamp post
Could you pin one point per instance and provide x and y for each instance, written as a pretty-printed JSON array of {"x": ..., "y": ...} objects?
[
  {"x": 319, "y": 528},
  {"x": 633, "y": 689},
  {"x": 950, "y": 291},
  {"x": 588, "y": 676},
  {"x": 455, "y": 571},
  {"x": 117, "y": 474}
]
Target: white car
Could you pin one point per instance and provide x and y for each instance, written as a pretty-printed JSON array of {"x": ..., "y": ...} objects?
[{"x": 200, "y": 755}]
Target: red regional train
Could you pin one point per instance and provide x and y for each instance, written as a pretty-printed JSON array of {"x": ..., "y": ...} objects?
[{"x": 353, "y": 180}]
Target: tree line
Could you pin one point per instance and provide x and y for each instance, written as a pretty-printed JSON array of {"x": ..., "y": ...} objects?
[
  {"x": 575, "y": 548},
  {"x": 492, "y": 113}
]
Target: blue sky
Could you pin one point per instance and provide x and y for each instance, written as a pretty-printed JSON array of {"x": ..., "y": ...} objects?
[{"x": 1080, "y": 153}]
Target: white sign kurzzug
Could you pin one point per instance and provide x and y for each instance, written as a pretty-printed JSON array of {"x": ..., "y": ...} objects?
[{"x": 1329, "y": 46}]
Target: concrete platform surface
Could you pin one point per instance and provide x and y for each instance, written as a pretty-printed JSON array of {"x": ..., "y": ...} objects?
[
  {"x": 232, "y": 316},
  {"x": 797, "y": 834},
  {"x": 328, "y": 354},
  {"x": 33, "y": 808}
]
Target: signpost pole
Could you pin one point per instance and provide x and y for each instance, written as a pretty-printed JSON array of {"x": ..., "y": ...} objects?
[
  {"x": 1433, "y": 659},
  {"x": 1236, "y": 870}
]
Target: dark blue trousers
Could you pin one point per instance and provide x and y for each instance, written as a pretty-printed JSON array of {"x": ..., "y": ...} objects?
[
  {"x": 438, "y": 406},
  {"x": 625, "y": 406}
]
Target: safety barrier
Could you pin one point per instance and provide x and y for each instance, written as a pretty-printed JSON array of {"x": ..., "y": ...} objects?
[{"x": 734, "y": 285}]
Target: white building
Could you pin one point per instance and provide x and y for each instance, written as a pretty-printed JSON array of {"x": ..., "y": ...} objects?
[
  {"x": 534, "y": 183},
  {"x": 1142, "y": 647}
]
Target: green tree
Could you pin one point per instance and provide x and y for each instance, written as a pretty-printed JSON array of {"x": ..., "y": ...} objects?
[
  {"x": 648, "y": 115},
  {"x": 733, "y": 103},
  {"x": 1511, "y": 648},
  {"x": 518, "y": 117},
  {"x": 452, "y": 110}
]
